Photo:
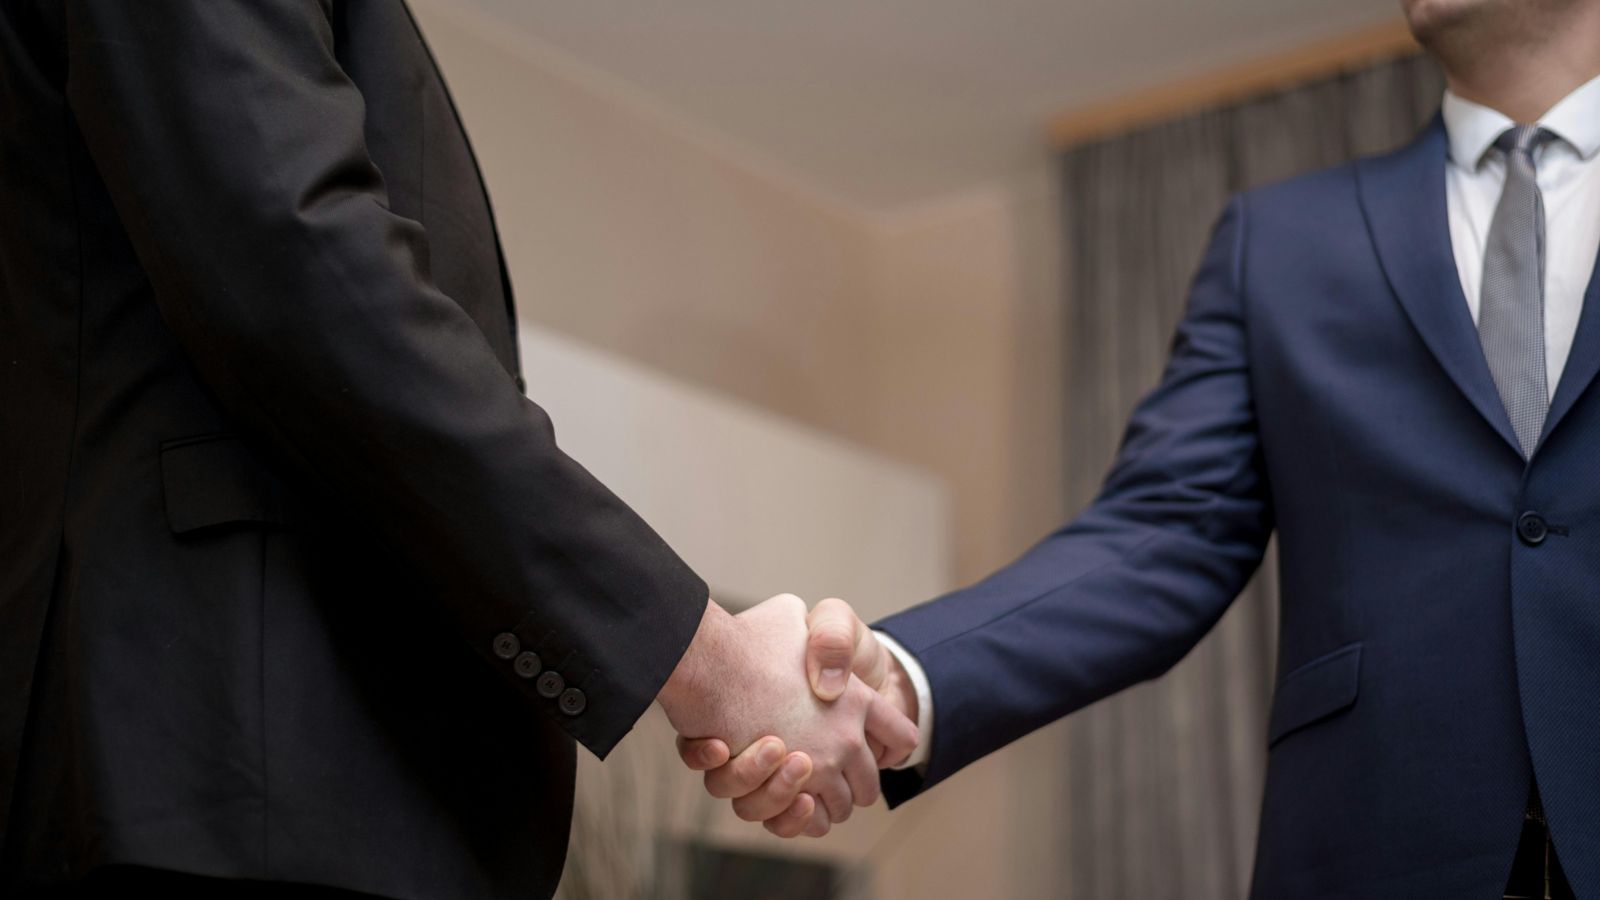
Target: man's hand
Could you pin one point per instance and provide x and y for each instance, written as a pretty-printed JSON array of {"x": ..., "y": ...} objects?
[
  {"x": 743, "y": 679},
  {"x": 761, "y": 791},
  {"x": 838, "y": 645}
]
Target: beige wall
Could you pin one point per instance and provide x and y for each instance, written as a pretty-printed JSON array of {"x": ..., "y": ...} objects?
[
  {"x": 967, "y": 334},
  {"x": 929, "y": 336},
  {"x": 640, "y": 241}
]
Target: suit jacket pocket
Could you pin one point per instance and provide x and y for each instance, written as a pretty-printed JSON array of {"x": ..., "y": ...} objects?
[
  {"x": 216, "y": 480},
  {"x": 1315, "y": 691}
]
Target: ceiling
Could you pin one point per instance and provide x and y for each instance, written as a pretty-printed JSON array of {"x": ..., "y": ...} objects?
[{"x": 885, "y": 104}]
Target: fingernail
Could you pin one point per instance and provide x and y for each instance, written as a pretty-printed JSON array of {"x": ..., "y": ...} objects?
[
  {"x": 832, "y": 680},
  {"x": 767, "y": 756},
  {"x": 799, "y": 811},
  {"x": 794, "y": 770}
]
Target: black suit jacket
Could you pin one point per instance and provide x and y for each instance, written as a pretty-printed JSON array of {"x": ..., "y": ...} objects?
[{"x": 295, "y": 583}]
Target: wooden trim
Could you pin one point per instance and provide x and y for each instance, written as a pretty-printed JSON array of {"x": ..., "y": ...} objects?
[{"x": 1321, "y": 59}]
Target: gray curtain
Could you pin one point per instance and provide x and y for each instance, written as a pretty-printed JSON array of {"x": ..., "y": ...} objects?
[{"x": 1164, "y": 780}]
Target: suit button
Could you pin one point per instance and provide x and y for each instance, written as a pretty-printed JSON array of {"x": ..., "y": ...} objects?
[
  {"x": 527, "y": 664},
  {"x": 550, "y": 685},
  {"x": 573, "y": 701},
  {"x": 1532, "y": 528},
  {"x": 506, "y": 645}
]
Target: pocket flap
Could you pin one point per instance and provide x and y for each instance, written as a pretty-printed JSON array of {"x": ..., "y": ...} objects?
[
  {"x": 218, "y": 480},
  {"x": 1314, "y": 691}
]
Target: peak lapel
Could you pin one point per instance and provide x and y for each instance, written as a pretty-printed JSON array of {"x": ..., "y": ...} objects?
[{"x": 1403, "y": 196}]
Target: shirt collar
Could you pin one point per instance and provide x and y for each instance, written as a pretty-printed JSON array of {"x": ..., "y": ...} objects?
[
  {"x": 1577, "y": 119},
  {"x": 1473, "y": 128}
]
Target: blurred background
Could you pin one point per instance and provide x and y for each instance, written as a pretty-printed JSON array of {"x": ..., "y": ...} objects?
[{"x": 853, "y": 298}]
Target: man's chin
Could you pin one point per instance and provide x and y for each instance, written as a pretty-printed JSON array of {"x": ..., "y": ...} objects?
[{"x": 1433, "y": 22}]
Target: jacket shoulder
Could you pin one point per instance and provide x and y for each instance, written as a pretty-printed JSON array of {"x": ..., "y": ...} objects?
[
  {"x": 1303, "y": 196},
  {"x": 1310, "y": 194}
]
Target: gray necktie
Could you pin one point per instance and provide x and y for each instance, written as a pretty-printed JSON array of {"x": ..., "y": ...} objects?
[{"x": 1511, "y": 315}]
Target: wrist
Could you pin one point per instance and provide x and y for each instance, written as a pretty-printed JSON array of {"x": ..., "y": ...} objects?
[
  {"x": 898, "y": 688},
  {"x": 691, "y": 680}
]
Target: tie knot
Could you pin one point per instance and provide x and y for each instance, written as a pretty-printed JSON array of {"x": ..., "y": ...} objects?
[{"x": 1523, "y": 139}]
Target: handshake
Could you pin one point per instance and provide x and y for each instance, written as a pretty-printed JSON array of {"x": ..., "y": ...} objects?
[{"x": 790, "y": 714}]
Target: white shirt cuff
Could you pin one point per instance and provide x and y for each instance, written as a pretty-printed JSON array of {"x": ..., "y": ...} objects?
[{"x": 919, "y": 684}]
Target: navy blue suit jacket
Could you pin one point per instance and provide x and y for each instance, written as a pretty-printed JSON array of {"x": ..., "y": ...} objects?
[{"x": 1435, "y": 655}]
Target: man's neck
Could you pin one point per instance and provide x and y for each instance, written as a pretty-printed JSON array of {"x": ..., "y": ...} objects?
[
  {"x": 1520, "y": 93},
  {"x": 1521, "y": 72}
]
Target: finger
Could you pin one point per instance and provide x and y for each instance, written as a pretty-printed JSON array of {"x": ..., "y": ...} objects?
[
  {"x": 836, "y": 632},
  {"x": 871, "y": 660},
  {"x": 801, "y": 807},
  {"x": 820, "y": 823},
  {"x": 793, "y": 821},
  {"x": 834, "y": 792},
  {"x": 702, "y": 754},
  {"x": 861, "y": 772},
  {"x": 747, "y": 771},
  {"x": 778, "y": 793},
  {"x": 890, "y": 727},
  {"x": 871, "y": 663},
  {"x": 782, "y": 605}
]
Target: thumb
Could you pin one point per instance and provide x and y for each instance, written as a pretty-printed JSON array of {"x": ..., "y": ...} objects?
[{"x": 831, "y": 647}]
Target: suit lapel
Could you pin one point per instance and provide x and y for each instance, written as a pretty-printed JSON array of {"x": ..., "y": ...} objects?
[
  {"x": 1584, "y": 360},
  {"x": 1403, "y": 197}
]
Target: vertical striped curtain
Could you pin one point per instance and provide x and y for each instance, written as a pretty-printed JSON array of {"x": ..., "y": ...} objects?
[{"x": 1164, "y": 780}]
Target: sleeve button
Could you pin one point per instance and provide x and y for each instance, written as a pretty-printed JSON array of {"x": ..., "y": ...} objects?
[
  {"x": 550, "y": 685},
  {"x": 527, "y": 664},
  {"x": 506, "y": 645},
  {"x": 573, "y": 701}
]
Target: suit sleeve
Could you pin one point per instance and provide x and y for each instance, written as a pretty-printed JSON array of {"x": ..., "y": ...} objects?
[
  {"x": 1121, "y": 593},
  {"x": 232, "y": 144}
]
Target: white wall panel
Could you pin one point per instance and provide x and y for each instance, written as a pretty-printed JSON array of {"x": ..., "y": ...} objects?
[{"x": 756, "y": 504}]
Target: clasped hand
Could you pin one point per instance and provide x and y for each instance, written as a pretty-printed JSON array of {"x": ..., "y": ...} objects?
[{"x": 806, "y": 706}]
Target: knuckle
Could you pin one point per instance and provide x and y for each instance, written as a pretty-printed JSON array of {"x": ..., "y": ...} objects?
[
  {"x": 832, "y": 608},
  {"x": 745, "y": 773},
  {"x": 774, "y": 796},
  {"x": 833, "y": 639}
]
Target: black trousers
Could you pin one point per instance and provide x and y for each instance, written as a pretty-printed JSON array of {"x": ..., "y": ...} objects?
[{"x": 128, "y": 881}]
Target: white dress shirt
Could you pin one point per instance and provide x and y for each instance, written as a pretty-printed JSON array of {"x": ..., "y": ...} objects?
[
  {"x": 1569, "y": 180},
  {"x": 919, "y": 683},
  {"x": 1475, "y": 172}
]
